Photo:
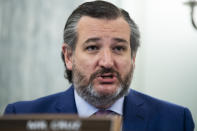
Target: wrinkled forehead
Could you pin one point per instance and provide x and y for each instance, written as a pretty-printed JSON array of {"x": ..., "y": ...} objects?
[
  {"x": 89, "y": 27},
  {"x": 88, "y": 19}
]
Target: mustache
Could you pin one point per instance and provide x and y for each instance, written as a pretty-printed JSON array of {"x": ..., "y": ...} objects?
[{"x": 103, "y": 71}]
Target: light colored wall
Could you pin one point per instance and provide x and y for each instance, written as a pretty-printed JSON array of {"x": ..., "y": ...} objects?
[
  {"x": 31, "y": 38},
  {"x": 166, "y": 65},
  {"x": 31, "y": 35}
]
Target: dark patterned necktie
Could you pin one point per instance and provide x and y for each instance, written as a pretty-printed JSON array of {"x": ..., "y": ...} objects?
[{"x": 105, "y": 112}]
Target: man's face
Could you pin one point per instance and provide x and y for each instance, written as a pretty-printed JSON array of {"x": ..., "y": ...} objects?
[{"x": 101, "y": 63}]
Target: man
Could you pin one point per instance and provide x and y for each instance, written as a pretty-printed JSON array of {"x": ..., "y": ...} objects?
[{"x": 99, "y": 50}]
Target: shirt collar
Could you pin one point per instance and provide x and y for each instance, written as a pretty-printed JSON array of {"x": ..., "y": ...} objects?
[{"x": 85, "y": 109}]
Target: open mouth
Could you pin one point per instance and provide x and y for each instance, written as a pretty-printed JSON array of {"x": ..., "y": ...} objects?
[{"x": 107, "y": 78}]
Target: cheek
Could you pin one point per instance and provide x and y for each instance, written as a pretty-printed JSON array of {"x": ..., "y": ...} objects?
[
  {"x": 85, "y": 65},
  {"x": 124, "y": 66}
]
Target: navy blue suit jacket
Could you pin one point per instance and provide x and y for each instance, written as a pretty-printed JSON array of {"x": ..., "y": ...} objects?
[{"x": 140, "y": 112}]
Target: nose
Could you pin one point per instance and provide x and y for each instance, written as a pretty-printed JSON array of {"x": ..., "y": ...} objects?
[{"x": 106, "y": 59}]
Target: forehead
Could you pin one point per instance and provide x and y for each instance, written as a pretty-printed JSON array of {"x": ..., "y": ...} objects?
[{"x": 94, "y": 27}]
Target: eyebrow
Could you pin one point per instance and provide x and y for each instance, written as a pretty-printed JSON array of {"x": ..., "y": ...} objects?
[
  {"x": 120, "y": 40},
  {"x": 94, "y": 39}
]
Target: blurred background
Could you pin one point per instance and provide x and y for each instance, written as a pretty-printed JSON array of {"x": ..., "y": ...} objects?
[{"x": 31, "y": 35}]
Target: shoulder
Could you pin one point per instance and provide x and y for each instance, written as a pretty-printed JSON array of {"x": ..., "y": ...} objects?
[
  {"x": 141, "y": 98},
  {"x": 44, "y": 104},
  {"x": 160, "y": 111}
]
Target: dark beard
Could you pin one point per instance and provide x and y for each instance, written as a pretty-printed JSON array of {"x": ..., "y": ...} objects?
[{"x": 85, "y": 88}]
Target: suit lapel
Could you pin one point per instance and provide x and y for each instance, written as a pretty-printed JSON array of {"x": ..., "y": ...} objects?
[
  {"x": 135, "y": 116},
  {"x": 66, "y": 102}
]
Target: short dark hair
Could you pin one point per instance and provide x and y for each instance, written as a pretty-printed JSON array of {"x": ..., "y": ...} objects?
[{"x": 101, "y": 10}]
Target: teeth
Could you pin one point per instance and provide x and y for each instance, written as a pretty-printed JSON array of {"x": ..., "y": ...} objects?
[{"x": 107, "y": 76}]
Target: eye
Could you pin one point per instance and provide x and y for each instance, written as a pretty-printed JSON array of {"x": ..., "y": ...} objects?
[
  {"x": 119, "y": 48},
  {"x": 92, "y": 48}
]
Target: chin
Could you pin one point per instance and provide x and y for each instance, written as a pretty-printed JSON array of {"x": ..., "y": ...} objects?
[
  {"x": 106, "y": 89},
  {"x": 106, "y": 93}
]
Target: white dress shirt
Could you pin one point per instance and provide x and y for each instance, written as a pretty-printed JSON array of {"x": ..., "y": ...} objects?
[{"x": 85, "y": 109}]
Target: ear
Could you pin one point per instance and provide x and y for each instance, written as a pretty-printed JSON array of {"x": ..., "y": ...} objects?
[
  {"x": 67, "y": 52},
  {"x": 133, "y": 59}
]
